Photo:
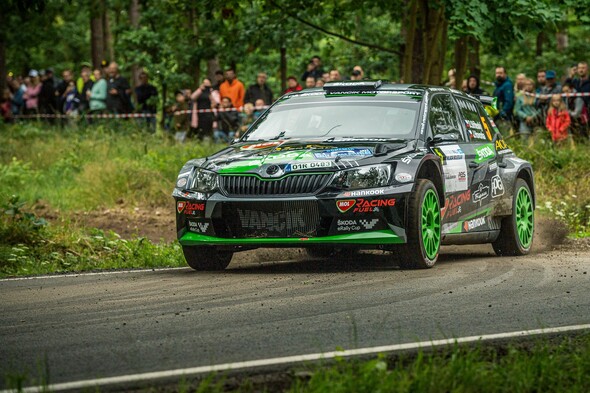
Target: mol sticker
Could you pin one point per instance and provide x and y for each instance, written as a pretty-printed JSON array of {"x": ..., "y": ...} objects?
[
  {"x": 345, "y": 205},
  {"x": 344, "y": 152}
]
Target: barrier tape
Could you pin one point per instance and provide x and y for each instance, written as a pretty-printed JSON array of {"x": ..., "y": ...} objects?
[
  {"x": 561, "y": 94},
  {"x": 127, "y": 115}
]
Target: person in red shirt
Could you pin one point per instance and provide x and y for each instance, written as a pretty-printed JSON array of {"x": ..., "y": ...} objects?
[
  {"x": 292, "y": 85},
  {"x": 558, "y": 119},
  {"x": 233, "y": 89}
]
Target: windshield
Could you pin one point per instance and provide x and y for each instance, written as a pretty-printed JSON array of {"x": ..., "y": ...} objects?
[{"x": 337, "y": 117}]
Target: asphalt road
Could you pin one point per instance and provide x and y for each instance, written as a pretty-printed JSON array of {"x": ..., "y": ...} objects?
[{"x": 94, "y": 326}]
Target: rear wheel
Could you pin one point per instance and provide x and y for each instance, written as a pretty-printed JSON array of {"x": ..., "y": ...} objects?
[
  {"x": 423, "y": 230},
  {"x": 516, "y": 231},
  {"x": 206, "y": 258}
]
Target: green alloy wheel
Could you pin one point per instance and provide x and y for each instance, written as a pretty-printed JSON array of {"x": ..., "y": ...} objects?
[
  {"x": 421, "y": 251},
  {"x": 516, "y": 233}
]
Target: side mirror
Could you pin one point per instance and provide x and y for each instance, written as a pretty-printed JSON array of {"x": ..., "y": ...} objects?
[{"x": 449, "y": 137}]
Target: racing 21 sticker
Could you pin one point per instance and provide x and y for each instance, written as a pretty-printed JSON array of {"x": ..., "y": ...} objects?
[
  {"x": 497, "y": 186},
  {"x": 189, "y": 208},
  {"x": 361, "y": 205},
  {"x": 481, "y": 194},
  {"x": 484, "y": 153},
  {"x": 344, "y": 152}
]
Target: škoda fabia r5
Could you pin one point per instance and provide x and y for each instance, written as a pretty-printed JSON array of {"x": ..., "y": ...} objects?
[{"x": 361, "y": 165}]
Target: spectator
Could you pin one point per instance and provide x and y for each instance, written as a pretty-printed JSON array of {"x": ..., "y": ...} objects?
[
  {"x": 228, "y": 122},
  {"x": 97, "y": 95},
  {"x": 219, "y": 79},
  {"x": 572, "y": 75},
  {"x": 355, "y": 75},
  {"x": 505, "y": 93},
  {"x": 204, "y": 98},
  {"x": 525, "y": 110},
  {"x": 452, "y": 83},
  {"x": 541, "y": 79},
  {"x": 259, "y": 108},
  {"x": 320, "y": 83},
  {"x": 246, "y": 119},
  {"x": 181, "y": 119},
  {"x": 558, "y": 119},
  {"x": 147, "y": 96},
  {"x": 84, "y": 85},
  {"x": 310, "y": 82},
  {"x": 582, "y": 84},
  {"x": 473, "y": 86},
  {"x": 335, "y": 76},
  {"x": 62, "y": 89},
  {"x": 292, "y": 85},
  {"x": 326, "y": 77},
  {"x": 576, "y": 109},
  {"x": 118, "y": 100},
  {"x": 314, "y": 68},
  {"x": 464, "y": 85},
  {"x": 47, "y": 95},
  {"x": 5, "y": 106},
  {"x": 32, "y": 93},
  {"x": 551, "y": 87},
  {"x": 71, "y": 100},
  {"x": 360, "y": 70},
  {"x": 17, "y": 102},
  {"x": 232, "y": 88},
  {"x": 519, "y": 86},
  {"x": 259, "y": 90}
]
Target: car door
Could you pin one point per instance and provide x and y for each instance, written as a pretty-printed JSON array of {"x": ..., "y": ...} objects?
[
  {"x": 487, "y": 184},
  {"x": 444, "y": 121}
]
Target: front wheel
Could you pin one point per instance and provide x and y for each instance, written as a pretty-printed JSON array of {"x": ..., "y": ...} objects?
[
  {"x": 423, "y": 228},
  {"x": 516, "y": 231},
  {"x": 206, "y": 258}
]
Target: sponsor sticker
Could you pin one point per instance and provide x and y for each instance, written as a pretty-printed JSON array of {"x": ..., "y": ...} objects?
[
  {"x": 502, "y": 146},
  {"x": 308, "y": 165},
  {"x": 344, "y": 152},
  {"x": 481, "y": 194},
  {"x": 492, "y": 167},
  {"x": 360, "y": 193},
  {"x": 453, "y": 204},
  {"x": 487, "y": 128},
  {"x": 366, "y": 206},
  {"x": 260, "y": 145},
  {"x": 272, "y": 221},
  {"x": 408, "y": 159},
  {"x": 470, "y": 225},
  {"x": 484, "y": 153},
  {"x": 403, "y": 177},
  {"x": 199, "y": 227},
  {"x": 454, "y": 168},
  {"x": 351, "y": 225},
  {"x": 497, "y": 186},
  {"x": 345, "y": 205},
  {"x": 189, "y": 208}
]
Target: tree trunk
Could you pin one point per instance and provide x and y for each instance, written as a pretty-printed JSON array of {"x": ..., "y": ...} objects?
[
  {"x": 407, "y": 61},
  {"x": 134, "y": 15},
  {"x": 473, "y": 58},
  {"x": 194, "y": 63},
  {"x": 460, "y": 60},
  {"x": 107, "y": 36},
  {"x": 212, "y": 67},
  {"x": 562, "y": 40},
  {"x": 540, "y": 39},
  {"x": 432, "y": 37},
  {"x": 3, "y": 72},
  {"x": 438, "y": 65},
  {"x": 283, "y": 69},
  {"x": 417, "y": 65},
  {"x": 96, "y": 32}
]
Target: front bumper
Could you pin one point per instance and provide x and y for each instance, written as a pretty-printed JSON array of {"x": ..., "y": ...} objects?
[{"x": 372, "y": 220}]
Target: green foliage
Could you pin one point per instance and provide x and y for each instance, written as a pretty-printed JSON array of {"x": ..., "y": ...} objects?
[{"x": 18, "y": 226}]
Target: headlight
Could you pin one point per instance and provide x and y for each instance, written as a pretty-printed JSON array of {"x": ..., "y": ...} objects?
[
  {"x": 205, "y": 181},
  {"x": 363, "y": 177}
]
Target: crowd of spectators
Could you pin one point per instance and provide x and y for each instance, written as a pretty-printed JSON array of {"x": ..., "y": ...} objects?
[{"x": 223, "y": 108}]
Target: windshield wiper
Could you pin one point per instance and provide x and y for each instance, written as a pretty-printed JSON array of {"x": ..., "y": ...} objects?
[
  {"x": 279, "y": 136},
  {"x": 330, "y": 130}
]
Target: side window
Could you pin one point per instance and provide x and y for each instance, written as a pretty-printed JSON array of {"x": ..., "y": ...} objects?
[
  {"x": 443, "y": 117},
  {"x": 478, "y": 129}
]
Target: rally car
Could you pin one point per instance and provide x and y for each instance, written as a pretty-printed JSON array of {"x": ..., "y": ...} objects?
[{"x": 354, "y": 165}]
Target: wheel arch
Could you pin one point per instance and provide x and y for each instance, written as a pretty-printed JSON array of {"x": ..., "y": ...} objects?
[
  {"x": 526, "y": 173},
  {"x": 429, "y": 169}
]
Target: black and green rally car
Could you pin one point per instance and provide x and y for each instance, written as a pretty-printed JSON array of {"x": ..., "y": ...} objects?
[{"x": 361, "y": 164}]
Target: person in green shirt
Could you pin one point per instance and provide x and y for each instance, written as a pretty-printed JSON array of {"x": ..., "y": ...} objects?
[{"x": 98, "y": 94}]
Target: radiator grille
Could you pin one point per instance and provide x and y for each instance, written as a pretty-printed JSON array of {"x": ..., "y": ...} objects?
[{"x": 241, "y": 185}]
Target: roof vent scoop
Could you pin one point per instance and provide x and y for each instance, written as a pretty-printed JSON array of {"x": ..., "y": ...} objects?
[{"x": 352, "y": 86}]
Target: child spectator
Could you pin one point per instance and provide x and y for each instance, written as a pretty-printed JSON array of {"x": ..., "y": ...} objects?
[
  {"x": 259, "y": 108},
  {"x": 228, "y": 122},
  {"x": 247, "y": 118},
  {"x": 558, "y": 119},
  {"x": 526, "y": 113}
]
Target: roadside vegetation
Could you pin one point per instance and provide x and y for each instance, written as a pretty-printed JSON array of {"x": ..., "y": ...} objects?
[{"x": 69, "y": 171}]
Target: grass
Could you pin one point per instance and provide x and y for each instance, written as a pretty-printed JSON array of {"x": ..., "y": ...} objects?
[{"x": 545, "y": 365}]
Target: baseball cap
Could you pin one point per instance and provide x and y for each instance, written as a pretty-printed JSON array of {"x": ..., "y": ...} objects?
[{"x": 550, "y": 74}]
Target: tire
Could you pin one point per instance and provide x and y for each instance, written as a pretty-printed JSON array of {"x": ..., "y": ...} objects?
[
  {"x": 423, "y": 228},
  {"x": 516, "y": 230},
  {"x": 206, "y": 258},
  {"x": 320, "y": 252}
]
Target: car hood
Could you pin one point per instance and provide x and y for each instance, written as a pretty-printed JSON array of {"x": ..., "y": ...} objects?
[{"x": 275, "y": 158}]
